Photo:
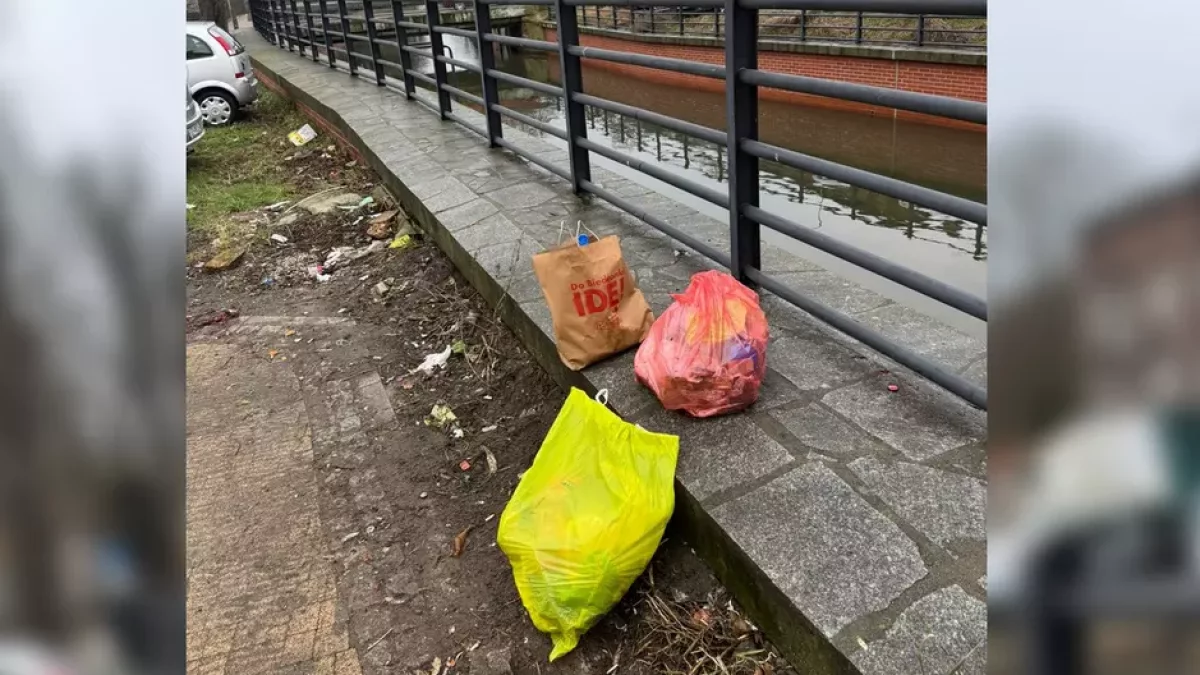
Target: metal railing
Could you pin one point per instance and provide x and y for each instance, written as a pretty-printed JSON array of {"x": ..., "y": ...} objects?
[
  {"x": 280, "y": 22},
  {"x": 823, "y": 26}
]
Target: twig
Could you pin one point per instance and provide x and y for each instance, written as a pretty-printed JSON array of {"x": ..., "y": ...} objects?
[{"x": 381, "y": 637}]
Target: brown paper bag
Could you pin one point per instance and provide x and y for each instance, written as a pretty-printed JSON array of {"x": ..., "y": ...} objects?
[{"x": 596, "y": 308}]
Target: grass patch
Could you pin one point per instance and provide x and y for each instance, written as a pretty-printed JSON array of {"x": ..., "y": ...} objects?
[{"x": 240, "y": 167}]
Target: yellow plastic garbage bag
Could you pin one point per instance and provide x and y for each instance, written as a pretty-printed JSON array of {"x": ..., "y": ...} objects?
[{"x": 587, "y": 517}]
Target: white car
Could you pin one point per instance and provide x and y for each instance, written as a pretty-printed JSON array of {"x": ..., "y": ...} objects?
[
  {"x": 195, "y": 124},
  {"x": 220, "y": 77}
]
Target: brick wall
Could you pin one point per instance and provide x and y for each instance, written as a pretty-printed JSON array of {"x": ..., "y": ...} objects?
[{"x": 959, "y": 81}]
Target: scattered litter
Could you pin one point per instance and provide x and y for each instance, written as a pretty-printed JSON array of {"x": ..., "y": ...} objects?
[
  {"x": 288, "y": 332},
  {"x": 401, "y": 241},
  {"x": 342, "y": 310},
  {"x": 491, "y": 459},
  {"x": 437, "y": 666},
  {"x": 423, "y": 495},
  {"x": 351, "y": 164},
  {"x": 702, "y": 617},
  {"x": 863, "y": 643},
  {"x": 278, "y": 205},
  {"x": 436, "y": 360},
  {"x": 440, "y": 416},
  {"x": 364, "y": 277},
  {"x": 279, "y": 238},
  {"x": 348, "y": 537},
  {"x": 892, "y": 387},
  {"x": 458, "y": 347},
  {"x": 271, "y": 353},
  {"x": 268, "y": 281},
  {"x": 465, "y": 465},
  {"x": 380, "y": 225},
  {"x": 460, "y": 543},
  {"x": 487, "y": 397},
  {"x": 678, "y": 253},
  {"x": 380, "y": 289},
  {"x": 302, "y": 135},
  {"x": 491, "y": 427},
  {"x": 474, "y": 646},
  {"x": 457, "y": 433},
  {"x": 191, "y": 206},
  {"x": 490, "y": 518}
]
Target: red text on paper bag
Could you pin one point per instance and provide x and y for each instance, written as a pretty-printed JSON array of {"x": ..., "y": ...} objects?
[{"x": 596, "y": 296}]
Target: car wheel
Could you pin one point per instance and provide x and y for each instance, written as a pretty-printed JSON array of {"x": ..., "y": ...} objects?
[{"x": 216, "y": 107}]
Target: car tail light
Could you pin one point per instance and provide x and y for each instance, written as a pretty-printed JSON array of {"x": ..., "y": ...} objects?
[
  {"x": 229, "y": 48},
  {"x": 239, "y": 74}
]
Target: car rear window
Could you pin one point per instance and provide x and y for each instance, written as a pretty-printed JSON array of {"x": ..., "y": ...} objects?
[{"x": 237, "y": 46}]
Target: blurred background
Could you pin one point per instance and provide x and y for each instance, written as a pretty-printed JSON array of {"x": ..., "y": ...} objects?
[
  {"x": 91, "y": 340},
  {"x": 1094, "y": 187}
]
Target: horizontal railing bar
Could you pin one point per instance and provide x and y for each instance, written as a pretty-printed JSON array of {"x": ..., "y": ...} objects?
[
  {"x": 353, "y": 36},
  {"x": 534, "y": 159},
  {"x": 887, "y": 269},
  {"x": 469, "y": 67},
  {"x": 521, "y": 42},
  {"x": 397, "y": 66},
  {"x": 413, "y": 25},
  {"x": 526, "y": 119},
  {"x": 382, "y": 19},
  {"x": 949, "y": 8},
  {"x": 941, "y": 106},
  {"x": 422, "y": 77},
  {"x": 647, "y": 61},
  {"x": 451, "y": 116},
  {"x": 525, "y": 82},
  {"x": 515, "y": 2},
  {"x": 701, "y": 132},
  {"x": 922, "y": 196},
  {"x": 362, "y": 58},
  {"x": 451, "y": 30},
  {"x": 956, "y": 384},
  {"x": 646, "y": 3},
  {"x": 656, "y": 222},
  {"x": 416, "y": 50},
  {"x": 689, "y": 186},
  {"x": 466, "y": 95}
]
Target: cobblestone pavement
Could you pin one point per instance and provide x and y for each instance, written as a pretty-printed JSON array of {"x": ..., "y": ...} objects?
[{"x": 260, "y": 596}]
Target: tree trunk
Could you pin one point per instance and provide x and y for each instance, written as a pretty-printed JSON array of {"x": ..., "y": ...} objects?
[{"x": 216, "y": 11}]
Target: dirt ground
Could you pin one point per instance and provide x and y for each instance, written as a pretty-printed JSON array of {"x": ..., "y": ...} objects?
[{"x": 415, "y": 489}]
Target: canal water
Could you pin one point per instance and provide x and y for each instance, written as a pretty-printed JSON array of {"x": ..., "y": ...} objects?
[{"x": 947, "y": 159}]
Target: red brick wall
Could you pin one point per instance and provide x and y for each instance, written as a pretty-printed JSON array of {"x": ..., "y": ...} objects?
[{"x": 959, "y": 81}]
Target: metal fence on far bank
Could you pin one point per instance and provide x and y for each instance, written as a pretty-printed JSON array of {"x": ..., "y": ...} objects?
[
  {"x": 310, "y": 28},
  {"x": 939, "y": 31}
]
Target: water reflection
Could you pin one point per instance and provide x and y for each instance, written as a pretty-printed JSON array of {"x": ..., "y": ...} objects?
[{"x": 950, "y": 160}]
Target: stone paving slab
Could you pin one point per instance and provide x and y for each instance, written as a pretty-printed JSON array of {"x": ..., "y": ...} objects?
[{"x": 846, "y": 518}]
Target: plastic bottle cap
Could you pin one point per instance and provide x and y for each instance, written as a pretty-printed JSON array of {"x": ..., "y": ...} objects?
[{"x": 583, "y": 240}]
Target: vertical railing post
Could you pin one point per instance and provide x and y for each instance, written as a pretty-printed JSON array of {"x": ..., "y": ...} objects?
[
  {"x": 572, "y": 83},
  {"x": 312, "y": 40},
  {"x": 369, "y": 18},
  {"x": 681, "y": 21},
  {"x": 410, "y": 84},
  {"x": 652, "y": 29},
  {"x": 437, "y": 48},
  {"x": 741, "y": 100},
  {"x": 344, "y": 20},
  {"x": 281, "y": 35},
  {"x": 716, "y": 22},
  {"x": 323, "y": 5},
  {"x": 858, "y": 28},
  {"x": 803, "y": 25},
  {"x": 920, "y": 30},
  {"x": 487, "y": 62},
  {"x": 270, "y": 9},
  {"x": 296, "y": 27}
]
